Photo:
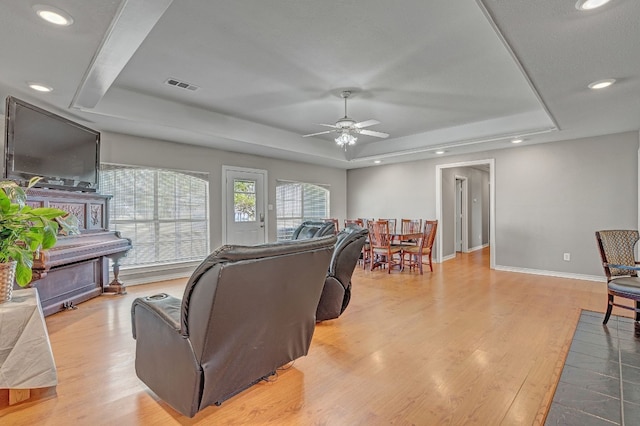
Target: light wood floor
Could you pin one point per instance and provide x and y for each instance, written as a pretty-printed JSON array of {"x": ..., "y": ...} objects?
[{"x": 461, "y": 345}]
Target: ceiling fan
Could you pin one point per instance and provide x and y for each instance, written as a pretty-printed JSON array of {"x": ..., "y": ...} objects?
[{"x": 348, "y": 128}]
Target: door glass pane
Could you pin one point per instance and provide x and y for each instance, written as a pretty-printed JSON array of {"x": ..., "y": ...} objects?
[{"x": 244, "y": 200}]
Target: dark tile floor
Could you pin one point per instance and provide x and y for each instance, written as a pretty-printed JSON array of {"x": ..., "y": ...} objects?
[{"x": 600, "y": 381}]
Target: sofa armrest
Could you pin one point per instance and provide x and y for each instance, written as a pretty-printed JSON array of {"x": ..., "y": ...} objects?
[{"x": 165, "y": 307}]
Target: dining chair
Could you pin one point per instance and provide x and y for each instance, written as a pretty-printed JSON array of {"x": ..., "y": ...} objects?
[
  {"x": 382, "y": 252},
  {"x": 354, "y": 221},
  {"x": 422, "y": 249},
  {"x": 392, "y": 225},
  {"x": 621, "y": 268},
  {"x": 410, "y": 226},
  {"x": 365, "y": 221}
]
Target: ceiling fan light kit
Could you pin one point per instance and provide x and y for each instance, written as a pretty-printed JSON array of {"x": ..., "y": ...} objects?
[
  {"x": 348, "y": 128},
  {"x": 345, "y": 139}
]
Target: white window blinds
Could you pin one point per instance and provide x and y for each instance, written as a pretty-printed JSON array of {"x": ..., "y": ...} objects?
[
  {"x": 297, "y": 202},
  {"x": 164, "y": 212}
]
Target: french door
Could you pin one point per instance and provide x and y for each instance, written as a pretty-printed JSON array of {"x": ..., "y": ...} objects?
[{"x": 244, "y": 212}]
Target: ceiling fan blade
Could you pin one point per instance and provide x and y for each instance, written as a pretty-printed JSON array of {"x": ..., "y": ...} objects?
[
  {"x": 367, "y": 123},
  {"x": 374, "y": 133},
  {"x": 326, "y": 125},
  {"x": 319, "y": 133}
]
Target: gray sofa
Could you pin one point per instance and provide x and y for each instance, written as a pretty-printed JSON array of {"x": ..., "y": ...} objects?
[
  {"x": 245, "y": 312},
  {"x": 336, "y": 292}
]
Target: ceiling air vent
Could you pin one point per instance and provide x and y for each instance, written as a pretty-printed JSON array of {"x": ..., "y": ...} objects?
[{"x": 183, "y": 85}]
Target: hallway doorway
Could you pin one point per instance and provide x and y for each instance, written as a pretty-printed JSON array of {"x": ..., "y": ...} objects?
[{"x": 448, "y": 211}]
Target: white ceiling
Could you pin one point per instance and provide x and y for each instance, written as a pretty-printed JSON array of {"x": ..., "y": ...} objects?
[{"x": 463, "y": 76}]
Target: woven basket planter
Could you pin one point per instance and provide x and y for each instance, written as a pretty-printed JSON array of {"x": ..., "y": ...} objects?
[{"x": 7, "y": 277}]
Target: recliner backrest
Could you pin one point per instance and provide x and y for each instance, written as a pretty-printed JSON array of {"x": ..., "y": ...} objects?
[
  {"x": 347, "y": 252},
  {"x": 313, "y": 229},
  {"x": 249, "y": 310}
]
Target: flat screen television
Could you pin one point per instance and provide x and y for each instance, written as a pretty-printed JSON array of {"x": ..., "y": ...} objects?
[{"x": 39, "y": 143}]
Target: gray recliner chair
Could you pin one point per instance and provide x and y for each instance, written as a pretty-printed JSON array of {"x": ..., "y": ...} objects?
[
  {"x": 336, "y": 292},
  {"x": 245, "y": 312},
  {"x": 313, "y": 229}
]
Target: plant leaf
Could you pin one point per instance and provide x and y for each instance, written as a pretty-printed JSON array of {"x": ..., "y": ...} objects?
[
  {"x": 69, "y": 224},
  {"x": 48, "y": 212},
  {"x": 33, "y": 239},
  {"x": 49, "y": 237},
  {"x": 33, "y": 181},
  {"x": 23, "y": 274},
  {"x": 5, "y": 202},
  {"x": 14, "y": 192}
]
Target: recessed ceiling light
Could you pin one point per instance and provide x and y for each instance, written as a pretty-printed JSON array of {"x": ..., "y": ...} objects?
[
  {"x": 601, "y": 84},
  {"x": 53, "y": 15},
  {"x": 440, "y": 152},
  {"x": 590, "y": 4},
  {"x": 40, "y": 87},
  {"x": 377, "y": 161},
  {"x": 517, "y": 140}
]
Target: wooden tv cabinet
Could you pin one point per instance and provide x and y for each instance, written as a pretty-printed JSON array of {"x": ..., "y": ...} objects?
[{"x": 76, "y": 268}]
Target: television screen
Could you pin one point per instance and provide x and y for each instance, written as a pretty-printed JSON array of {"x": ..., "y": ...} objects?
[{"x": 40, "y": 143}]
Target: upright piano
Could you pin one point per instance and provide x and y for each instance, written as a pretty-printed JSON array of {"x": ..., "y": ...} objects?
[{"x": 77, "y": 267}]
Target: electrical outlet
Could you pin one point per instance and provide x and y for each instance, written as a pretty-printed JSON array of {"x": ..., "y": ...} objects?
[{"x": 567, "y": 257}]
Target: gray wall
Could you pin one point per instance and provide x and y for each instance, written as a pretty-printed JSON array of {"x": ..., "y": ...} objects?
[
  {"x": 404, "y": 190},
  {"x": 553, "y": 197},
  {"x": 550, "y": 198},
  {"x": 124, "y": 149}
]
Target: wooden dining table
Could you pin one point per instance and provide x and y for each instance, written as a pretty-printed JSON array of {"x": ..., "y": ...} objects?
[
  {"x": 399, "y": 237},
  {"x": 405, "y": 236}
]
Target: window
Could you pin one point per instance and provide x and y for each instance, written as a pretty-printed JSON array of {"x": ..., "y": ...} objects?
[
  {"x": 244, "y": 200},
  {"x": 164, "y": 212},
  {"x": 297, "y": 202}
]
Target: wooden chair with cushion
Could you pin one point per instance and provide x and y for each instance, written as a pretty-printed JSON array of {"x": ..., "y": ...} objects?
[
  {"x": 365, "y": 221},
  {"x": 422, "y": 249},
  {"x": 409, "y": 226},
  {"x": 620, "y": 266},
  {"x": 392, "y": 225},
  {"x": 381, "y": 251}
]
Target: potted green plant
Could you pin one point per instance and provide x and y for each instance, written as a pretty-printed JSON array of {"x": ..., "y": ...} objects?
[{"x": 24, "y": 231}]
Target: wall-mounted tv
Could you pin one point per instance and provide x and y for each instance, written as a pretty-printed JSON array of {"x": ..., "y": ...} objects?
[{"x": 40, "y": 143}]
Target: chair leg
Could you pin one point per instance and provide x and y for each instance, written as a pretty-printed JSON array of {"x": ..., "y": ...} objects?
[
  {"x": 430, "y": 263},
  {"x": 609, "y": 309}
]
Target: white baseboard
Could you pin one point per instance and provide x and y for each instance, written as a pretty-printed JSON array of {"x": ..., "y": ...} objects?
[
  {"x": 552, "y": 273},
  {"x": 129, "y": 282},
  {"x": 451, "y": 256},
  {"x": 478, "y": 248},
  {"x": 146, "y": 275}
]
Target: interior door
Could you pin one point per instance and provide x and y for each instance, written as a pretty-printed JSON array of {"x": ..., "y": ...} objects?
[
  {"x": 245, "y": 218},
  {"x": 459, "y": 218}
]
